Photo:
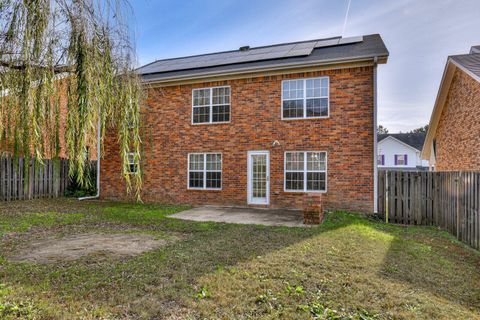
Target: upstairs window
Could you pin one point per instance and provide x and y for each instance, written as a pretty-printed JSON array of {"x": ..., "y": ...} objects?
[
  {"x": 305, "y": 98},
  {"x": 211, "y": 105},
  {"x": 401, "y": 160},
  {"x": 205, "y": 171}
]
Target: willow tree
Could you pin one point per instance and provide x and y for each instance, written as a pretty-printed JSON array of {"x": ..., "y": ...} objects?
[{"x": 76, "y": 50}]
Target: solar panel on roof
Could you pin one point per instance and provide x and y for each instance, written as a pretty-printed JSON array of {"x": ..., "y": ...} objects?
[
  {"x": 253, "y": 54},
  {"x": 337, "y": 41},
  {"x": 326, "y": 43},
  {"x": 350, "y": 40}
]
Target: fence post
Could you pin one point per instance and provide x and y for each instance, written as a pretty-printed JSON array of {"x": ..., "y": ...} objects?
[
  {"x": 457, "y": 209},
  {"x": 387, "y": 188}
]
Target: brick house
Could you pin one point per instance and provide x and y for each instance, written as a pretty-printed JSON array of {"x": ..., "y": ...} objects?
[
  {"x": 61, "y": 87},
  {"x": 453, "y": 138},
  {"x": 266, "y": 126}
]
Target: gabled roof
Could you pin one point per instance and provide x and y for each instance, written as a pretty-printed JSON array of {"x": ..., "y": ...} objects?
[
  {"x": 468, "y": 63},
  {"x": 475, "y": 49},
  {"x": 414, "y": 140},
  {"x": 279, "y": 56}
]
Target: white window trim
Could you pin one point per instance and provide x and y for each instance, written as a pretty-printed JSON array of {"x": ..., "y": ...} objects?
[
  {"x": 204, "y": 171},
  {"x": 211, "y": 105},
  {"x": 382, "y": 157},
  {"x": 305, "y": 99},
  {"x": 395, "y": 161},
  {"x": 305, "y": 171},
  {"x": 131, "y": 163}
]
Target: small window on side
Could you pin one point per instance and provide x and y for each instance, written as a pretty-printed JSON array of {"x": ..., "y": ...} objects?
[
  {"x": 132, "y": 167},
  {"x": 381, "y": 160}
]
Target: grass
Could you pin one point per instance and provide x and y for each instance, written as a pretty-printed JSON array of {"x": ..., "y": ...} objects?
[{"x": 351, "y": 267}]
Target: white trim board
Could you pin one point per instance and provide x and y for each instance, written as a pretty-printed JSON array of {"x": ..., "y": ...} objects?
[{"x": 403, "y": 143}]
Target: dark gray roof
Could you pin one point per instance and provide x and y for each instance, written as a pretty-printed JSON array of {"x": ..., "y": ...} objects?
[
  {"x": 412, "y": 139},
  {"x": 475, "y": 49},
  {"x": 471, "y": 62},
  {"x": 282, "y": 55}
]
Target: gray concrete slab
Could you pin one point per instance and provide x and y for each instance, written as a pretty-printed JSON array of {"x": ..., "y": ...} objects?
[{"x": 267, "y": 217}]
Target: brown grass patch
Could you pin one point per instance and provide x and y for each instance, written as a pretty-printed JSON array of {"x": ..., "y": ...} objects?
[{"x": 76, "y": 246}]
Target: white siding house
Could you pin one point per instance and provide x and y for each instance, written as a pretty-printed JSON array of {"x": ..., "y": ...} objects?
[{"x": 399, "y": 152}]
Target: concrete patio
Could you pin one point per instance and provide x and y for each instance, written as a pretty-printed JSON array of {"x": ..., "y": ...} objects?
[{"x": 267, "y": 217}]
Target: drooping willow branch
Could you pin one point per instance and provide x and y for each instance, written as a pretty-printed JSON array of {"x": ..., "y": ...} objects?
[{"x": 68, "y": 64}]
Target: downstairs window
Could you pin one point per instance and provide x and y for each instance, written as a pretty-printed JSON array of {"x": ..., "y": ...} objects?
[
  {"x": 306, "y": 171},
  {"x": 205, "y": 171}
]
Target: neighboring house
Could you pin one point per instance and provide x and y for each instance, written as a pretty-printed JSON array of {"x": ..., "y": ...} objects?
[
  {"x": 266, "y": 126},
  {"x": 453, "y": 138},
  {"x": 401, "y": 151}
]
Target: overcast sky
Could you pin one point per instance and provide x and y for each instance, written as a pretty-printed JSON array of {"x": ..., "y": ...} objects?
[{"x": 419, "y": 34}]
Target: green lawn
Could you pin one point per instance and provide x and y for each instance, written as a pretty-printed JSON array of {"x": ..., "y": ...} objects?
[{"x": 348, "y": 268}]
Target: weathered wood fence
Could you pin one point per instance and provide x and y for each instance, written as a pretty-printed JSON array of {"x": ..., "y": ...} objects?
[
  {"x": 43, "y": 180},
  {"x": 449, "y": 200}
]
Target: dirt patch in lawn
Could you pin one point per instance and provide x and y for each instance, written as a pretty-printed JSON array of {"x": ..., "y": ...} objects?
[{"x": 76, "y": 246}]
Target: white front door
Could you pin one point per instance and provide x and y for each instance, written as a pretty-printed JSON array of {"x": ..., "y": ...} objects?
[{"x": 258, "y": 177}]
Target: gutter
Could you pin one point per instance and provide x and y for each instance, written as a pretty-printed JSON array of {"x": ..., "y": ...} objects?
[
  {"x": 375, "y": 139},
  {"x": 97, "y": 195},
  {"x": 248, "y": 70}
]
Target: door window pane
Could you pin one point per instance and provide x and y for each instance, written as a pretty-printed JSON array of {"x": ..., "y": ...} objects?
[{"x": 259, "y": 176}]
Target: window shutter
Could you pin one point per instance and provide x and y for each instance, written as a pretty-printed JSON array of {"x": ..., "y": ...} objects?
[
  {"x": 383, "y": 159},
  {"x": 406, "y": 159},
  {"x": 395, "y": 159}
]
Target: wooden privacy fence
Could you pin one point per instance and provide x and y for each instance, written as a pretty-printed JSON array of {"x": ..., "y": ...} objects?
[
  {"x": 449, "y": 200},
  {"x": 43, "y": 180}
]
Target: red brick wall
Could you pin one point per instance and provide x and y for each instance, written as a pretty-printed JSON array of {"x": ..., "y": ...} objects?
[
  {"x": 168, "y": 137},
  {"x": 458, "y": 131},
  {"x": 63, "y": 104}
]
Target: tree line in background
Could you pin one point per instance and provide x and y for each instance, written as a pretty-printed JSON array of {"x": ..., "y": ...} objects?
[{"x": 383, "y": 130}]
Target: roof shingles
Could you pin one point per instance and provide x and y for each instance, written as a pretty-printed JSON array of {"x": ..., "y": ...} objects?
[
  {"x": 283, "y": 55},
  {"x": 414, "y": 140},
  {"x": 471, "y": 62}
]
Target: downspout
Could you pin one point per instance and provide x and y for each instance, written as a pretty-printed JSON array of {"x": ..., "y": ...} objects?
[
  {"x": 99, "y": 137},
  {"x": 432, "y": 161},
  {"x": 375, "y": 147}
]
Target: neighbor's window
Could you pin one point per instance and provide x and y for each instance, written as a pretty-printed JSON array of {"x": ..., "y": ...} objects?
[
  {"x": 381, "y": 160},
  {"x": 211, "y": 105},
  {"x": 205, "y": 171},
  {"x": 305, "y": 98},
  {"x": 305, "y": 171},
  {"x": 401, "y": 160},
  {"x": 132, "y": 167}
]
